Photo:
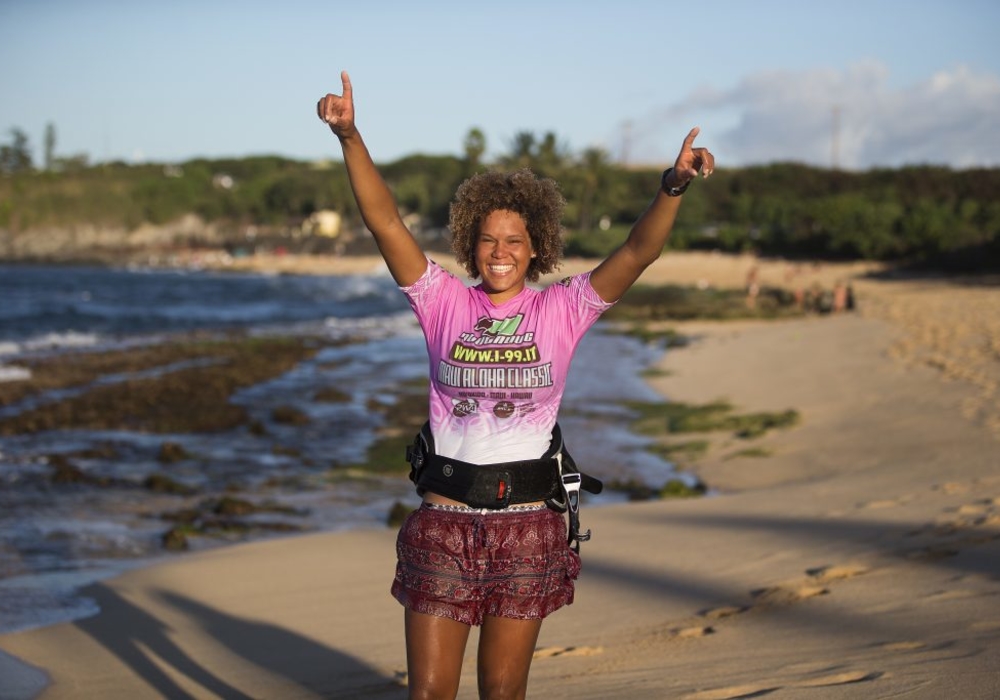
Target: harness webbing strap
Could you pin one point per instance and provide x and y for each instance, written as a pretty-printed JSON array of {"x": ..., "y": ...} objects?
[
  {"x": 554, "y": 478},
  {"x": 489, "y": 485}
]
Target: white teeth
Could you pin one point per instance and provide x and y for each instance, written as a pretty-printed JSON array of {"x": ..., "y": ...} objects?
[{"x": 500, "y": 269}]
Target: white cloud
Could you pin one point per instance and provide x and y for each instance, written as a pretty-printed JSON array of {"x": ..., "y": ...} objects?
[{"x": 952, "y": 118}]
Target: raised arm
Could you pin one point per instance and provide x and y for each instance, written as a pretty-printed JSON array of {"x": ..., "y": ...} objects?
[
  {"x": 612, "y": 278},
  {"x": 378, "y": 208}
]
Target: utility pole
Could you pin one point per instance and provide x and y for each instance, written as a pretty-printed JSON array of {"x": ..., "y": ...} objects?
[
  {"x": 835, "y": 143},
  {"x": 626, "y": 142}
]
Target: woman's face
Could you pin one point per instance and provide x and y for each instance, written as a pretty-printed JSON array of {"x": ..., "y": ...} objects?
[{"x": 503, "y": 254}]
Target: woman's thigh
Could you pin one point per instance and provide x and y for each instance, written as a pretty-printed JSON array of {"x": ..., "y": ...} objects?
[{"x": 435, "y": 647}]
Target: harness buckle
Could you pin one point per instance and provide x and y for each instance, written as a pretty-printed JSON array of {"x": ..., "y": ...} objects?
[{"x": 571, "y": 483}]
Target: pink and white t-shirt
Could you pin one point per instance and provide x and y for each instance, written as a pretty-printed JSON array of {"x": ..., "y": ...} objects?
[{"x": 498, "y": 372}]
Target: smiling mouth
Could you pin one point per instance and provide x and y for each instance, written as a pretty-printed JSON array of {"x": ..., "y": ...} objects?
[{"x": 501, "y": 269}]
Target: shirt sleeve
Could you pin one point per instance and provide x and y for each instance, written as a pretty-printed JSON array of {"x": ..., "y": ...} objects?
[
  {"x": 583, "y": 304},
  {"x": 426, "y": 294}
]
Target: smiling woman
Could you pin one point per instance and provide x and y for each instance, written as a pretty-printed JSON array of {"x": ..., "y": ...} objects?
[{"x": 490, "y": 552}]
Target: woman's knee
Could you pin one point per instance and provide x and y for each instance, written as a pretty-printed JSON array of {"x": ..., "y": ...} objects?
[
  {"x": 506, "y": 648},
  {"x": 433, "y": 686},
  {"x": 502, "y": 686}
]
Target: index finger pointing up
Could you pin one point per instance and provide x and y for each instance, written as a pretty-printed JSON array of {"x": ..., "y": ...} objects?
[
  {"x": 346, "y": 80},
  {"x": 689, "y": 139}
]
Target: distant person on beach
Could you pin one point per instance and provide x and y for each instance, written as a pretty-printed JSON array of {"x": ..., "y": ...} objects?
[
  {"x": 499, "y": 355},
  {"x": 752, "y": 287}
]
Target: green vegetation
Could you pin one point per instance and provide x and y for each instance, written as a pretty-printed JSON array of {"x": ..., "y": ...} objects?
[
  {"x": 688, "y": 450},
  {"x": 667, "y": 337},
  {"x": 190, "y": 395},
  {"x": 680, "y": 303},
  {"x": 161, "y": 483},
  {"x": 655, "y": 418},
  {"x": 750, "y": 452},
  {"x": 924, "y": 214},
  {"x": 220, "y": 518},
  {"x": 397, "y": 514},
  {"x": 331, "y": 394},
  {"x": 640, "y": 491}
]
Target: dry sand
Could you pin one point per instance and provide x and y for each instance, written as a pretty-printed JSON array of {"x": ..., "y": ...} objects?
[{"x": 856, "y": 555}]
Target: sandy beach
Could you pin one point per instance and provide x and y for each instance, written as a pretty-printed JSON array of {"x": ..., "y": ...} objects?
[{"x": 854, "y": 555}]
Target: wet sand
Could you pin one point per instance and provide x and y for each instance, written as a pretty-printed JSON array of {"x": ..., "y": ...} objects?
[{"x": 855, "y": 555}]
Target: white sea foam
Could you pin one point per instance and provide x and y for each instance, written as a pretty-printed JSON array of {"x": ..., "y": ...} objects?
[
  {"x": 14, "y": 374},
  {"x": 400, "y": 324},
  {"x": 69, "y": 339},
  {"x": 49, "y": 341}
]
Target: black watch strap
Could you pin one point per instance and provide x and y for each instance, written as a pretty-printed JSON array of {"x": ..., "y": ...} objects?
[{"x": 672, "y": 191}]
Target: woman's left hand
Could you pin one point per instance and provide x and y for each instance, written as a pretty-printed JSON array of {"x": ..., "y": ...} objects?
[{"x": 690, "y": 161}]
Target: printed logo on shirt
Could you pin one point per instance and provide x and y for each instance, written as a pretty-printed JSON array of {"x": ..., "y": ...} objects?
[
  {"x": 497, "y": 331},
  {"x": 495, "y": 377},
  {"x": 503, "y": 409},
  {"x": 465, "y": 407},
  {"x": 491, "y": 341},
  {"x": 499, "y": 326},
  {"x": 496, "y": 362}
]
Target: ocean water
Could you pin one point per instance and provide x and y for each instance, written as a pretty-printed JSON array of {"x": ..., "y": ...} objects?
[{"x": 55, "y": 539}]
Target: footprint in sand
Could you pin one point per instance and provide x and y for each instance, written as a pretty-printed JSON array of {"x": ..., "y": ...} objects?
[
  {"x": 815, "y": 585},
  {"x": 780, "y": 595},
  {"x": 772, "y": 596},
  {"x": 951, "y": 488},
  {"x": 825, "y": 574},
  {"x": 733, "y": 692},
  {"x": 986, "y": 626},
  {"x": 722, "y": 611},
  {"x": 690, "y": 632},
  {"x": 902, "y": 646},
  {"x": 552, "y": 652},
  {"x": 980, "y": 508},
  {"x": 945, "y": 527},
  {"x": 878, "y": 505},
  {"x": 838, "y": 679},
  {"x": 930, "y": 553},
  {"x": 956, "y": 594},
  {"x": 757, "y": 690},
  {"x": 976, "y": 523}
]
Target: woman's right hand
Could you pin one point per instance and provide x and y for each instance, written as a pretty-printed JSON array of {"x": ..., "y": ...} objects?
[{"x": 338, "y": 110}]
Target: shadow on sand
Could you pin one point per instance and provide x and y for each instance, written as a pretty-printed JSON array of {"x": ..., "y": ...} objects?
[{"x": 136, "y": 637}]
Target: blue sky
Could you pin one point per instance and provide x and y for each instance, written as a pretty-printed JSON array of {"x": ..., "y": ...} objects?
[{"x": 873, "y": 83}]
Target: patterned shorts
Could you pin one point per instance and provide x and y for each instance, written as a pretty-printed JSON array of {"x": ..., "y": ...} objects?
[{"x": 465, "y": 564}]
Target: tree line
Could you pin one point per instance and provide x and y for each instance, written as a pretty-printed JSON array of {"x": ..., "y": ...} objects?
[{"x": 924, "y": 214}]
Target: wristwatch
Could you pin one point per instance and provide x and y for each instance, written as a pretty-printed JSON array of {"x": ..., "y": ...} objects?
[{"x": 672, "y": 191}]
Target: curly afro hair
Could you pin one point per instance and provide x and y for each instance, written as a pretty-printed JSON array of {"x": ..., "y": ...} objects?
[{"x": 538, "y": 201}]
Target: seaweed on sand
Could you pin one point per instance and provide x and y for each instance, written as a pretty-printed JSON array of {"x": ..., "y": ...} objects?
[
  {"x": 655, "y": 418},
  {"x": 187, "y": 396}
]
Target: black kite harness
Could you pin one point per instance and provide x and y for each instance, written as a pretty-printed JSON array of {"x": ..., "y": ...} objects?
[{"x": 553, "y": 478}]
